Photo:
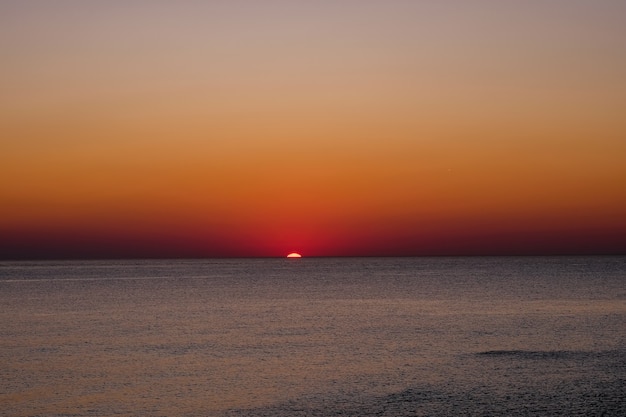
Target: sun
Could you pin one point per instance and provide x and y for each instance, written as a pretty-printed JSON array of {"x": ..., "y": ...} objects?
[{"x": 294, "y": 255}]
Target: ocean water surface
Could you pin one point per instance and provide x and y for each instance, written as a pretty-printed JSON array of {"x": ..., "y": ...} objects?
[{"x": 510, "y": 336}]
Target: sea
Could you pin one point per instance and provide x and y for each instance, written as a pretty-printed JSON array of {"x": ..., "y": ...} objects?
[{"x": 440, "y": 336}]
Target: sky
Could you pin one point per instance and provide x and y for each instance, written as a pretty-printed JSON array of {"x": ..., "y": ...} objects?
[{"x": 328, "y": 128}]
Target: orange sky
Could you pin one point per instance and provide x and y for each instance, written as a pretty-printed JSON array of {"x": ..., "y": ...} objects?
[{"x": 258, "y": 128}]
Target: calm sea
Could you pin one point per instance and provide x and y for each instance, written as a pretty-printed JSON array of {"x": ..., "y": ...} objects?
[{"x": 527, "y": 336}]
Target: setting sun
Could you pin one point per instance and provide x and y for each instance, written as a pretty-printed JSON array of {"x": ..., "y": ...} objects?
[{"x": 294, "y": 255}]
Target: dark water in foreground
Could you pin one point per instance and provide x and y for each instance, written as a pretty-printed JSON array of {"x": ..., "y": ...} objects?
[{"x": 314, "y": 337}]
